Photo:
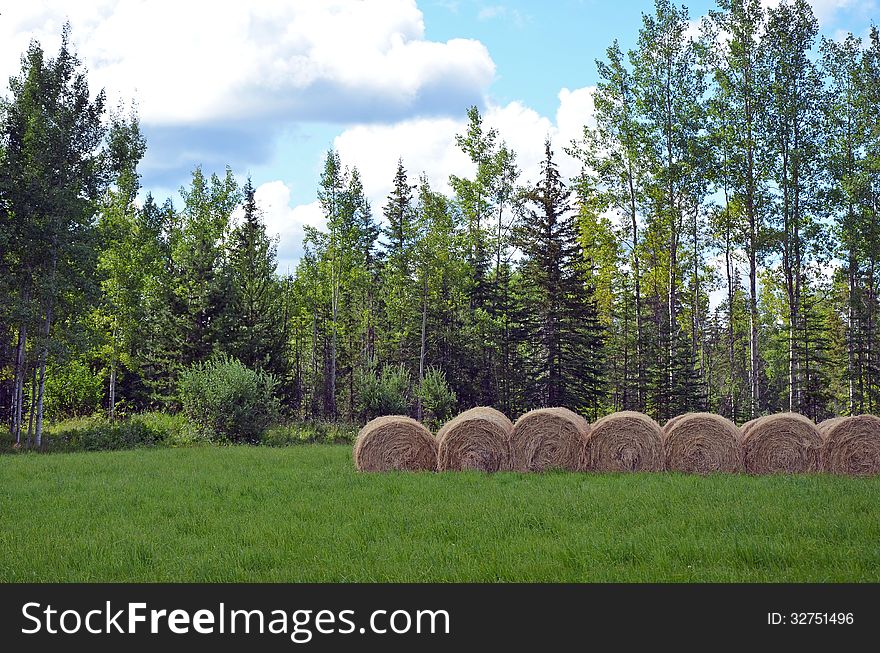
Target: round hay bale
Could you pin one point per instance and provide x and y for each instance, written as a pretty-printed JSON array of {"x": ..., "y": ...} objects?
[
  {"x": 548, "y": 438},
  {"x": 395, "y": 443},
  {"x": 828, "y": 424},
  {"x": 702, "y": 443},
  {"x": 624, "y": 442},
  {"x": 786, "y": 443},
  {"x": 478, "y": 439},
  {"x": 745, "y": 428},
  {"x": 852, "y": 446},
  {"x": 669, "y": 424}
]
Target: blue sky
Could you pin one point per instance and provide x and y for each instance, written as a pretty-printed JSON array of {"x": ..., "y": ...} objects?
[{"x": 268, "y": 87}]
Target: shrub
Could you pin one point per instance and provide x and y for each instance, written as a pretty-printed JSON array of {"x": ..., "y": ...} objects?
[
  {"x": 384, "y": 393},
  {"x": 72, "y": 390},
  {"x": 100, "y": 434},
  {"x": 227, "y": 401},
  {"x": 170, "y": 430},
  {"x": 438, "y": 399}
]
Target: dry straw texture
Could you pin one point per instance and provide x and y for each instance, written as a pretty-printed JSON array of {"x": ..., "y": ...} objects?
[
  {"x": 672, "y": 421},
  {"x": 786, "y": 443},
  {"x": 852, "y": 446},
  {"x": 826, "y": 426},
  {"x": 702, "y": 443},
  {"x": 624, "y": 442},
  {"x": 478, "y": 439},
  {"x": 395, "y": 443},
  {"x": 745, "y": 428},
  {"x": 548, "y": 438}
]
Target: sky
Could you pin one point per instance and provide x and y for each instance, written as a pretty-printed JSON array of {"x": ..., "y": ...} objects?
[{"x": 268, "y": 87}]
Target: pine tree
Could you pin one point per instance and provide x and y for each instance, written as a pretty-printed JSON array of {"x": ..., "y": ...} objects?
[
  {"x": 254, "y": 327},
  {"x": 399, "y": 283},
  {"x": 561, "y": 312}
]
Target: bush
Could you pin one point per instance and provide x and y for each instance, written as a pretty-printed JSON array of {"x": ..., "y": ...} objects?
[
  {"x": 170, "y": 430},
  {"x": 438, "y": 399},
  {"x": 227, "y": 401},
  {"x": 72, "y": 390},
  {"x": 385, "y": 393},
  {"x": 100, "y": 434}
]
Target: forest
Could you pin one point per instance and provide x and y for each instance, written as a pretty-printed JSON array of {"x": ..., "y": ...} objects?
[{"x": 720, "y": 250}]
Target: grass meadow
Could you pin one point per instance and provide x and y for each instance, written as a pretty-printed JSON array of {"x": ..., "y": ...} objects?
[{"x": 302, "y": 513}]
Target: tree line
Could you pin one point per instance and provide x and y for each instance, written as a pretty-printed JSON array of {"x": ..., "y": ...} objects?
[{"x": 718, "y": 251}]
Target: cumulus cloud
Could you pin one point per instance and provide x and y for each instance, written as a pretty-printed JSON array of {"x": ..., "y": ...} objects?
[
  {"x": 222, "y": 77},
  {"x": 201, "y": 60},
  {"x": 428, "y": 145},
  {"x": 285, "y": 222}
]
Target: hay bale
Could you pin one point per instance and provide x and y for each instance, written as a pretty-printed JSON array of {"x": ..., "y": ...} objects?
[
  {"x": 669, "y": 424},
  {"x": 548, "y": 438},
  {"x": 828, "y": 424},
  {"x": 702, "y": 443},
  {"x": 852, "y": 446},
  {"x": 477, "y": 439},
  {"x": 624, "y": 442},
  {"x": 786, "y": 443},
  {"x": 745, "y": 428},
  {"x": 395, "y": 443}
]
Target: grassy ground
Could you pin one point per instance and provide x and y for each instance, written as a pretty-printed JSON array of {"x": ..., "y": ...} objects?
[{"x": 303, "y": 514}]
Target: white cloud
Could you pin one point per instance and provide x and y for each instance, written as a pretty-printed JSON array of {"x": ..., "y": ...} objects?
[
  {"x": 286, "y": 222},
  {"x": 428, "y": 145},
  {"x": 195, "y": 61},
  {"x": 216, "y": 82}
]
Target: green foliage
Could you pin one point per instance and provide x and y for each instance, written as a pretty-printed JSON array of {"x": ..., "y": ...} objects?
[
  {"x": 97, "y": 433},
  {"x": 100, "y": 434},
  {"x": 309, "y": 433},
  {"x": 385, "y": 392},
  {"x": 437, "y": 398},
  {"x": 710, "y": 158},
  {"x": 73, "y": 390},
  {"x": 228, "y": 401},
  {"x": 254, "y": 329}
]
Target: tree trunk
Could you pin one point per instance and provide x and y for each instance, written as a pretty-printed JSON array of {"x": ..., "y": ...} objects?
[
  {"x": 44, "y": 355},
  {"x": 754, "y": 392},
  {"x": 113, "y": 391},
  {"x": 423, "y": 343},
  {"x": 331, "y": 398},
  {"x": 314, "y": 363},
  {"x": 112, "y": 406},
  {"x": 640, "y": 369},
  {"x": 33, "y": 407},
  {"x": 697, "y": 335},
  {"x": 18, "y": 383},
  {"x": 731, "y": 333},
  {"x": 850, "y": 335}
]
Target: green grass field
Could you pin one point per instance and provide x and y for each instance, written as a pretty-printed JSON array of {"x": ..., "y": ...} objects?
[{"x": 303, "y": 514}]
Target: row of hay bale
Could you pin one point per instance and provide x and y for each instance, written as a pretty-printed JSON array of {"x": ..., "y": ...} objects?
[{"x": 556, "y": 438}]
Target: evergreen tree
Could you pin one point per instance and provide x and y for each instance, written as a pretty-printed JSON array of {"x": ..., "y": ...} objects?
[
  {"x": 400, "y": 291},
  {"x": 561, "y": 312},
  {"x": 255, "y": 324}
]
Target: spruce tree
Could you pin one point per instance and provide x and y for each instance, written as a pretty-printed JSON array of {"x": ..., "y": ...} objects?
[
  {"x": 560, "y": 310},
  {"x": 254, "y": 329}
]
